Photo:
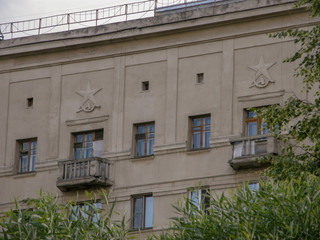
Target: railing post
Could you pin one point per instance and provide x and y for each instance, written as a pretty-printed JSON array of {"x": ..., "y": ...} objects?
[
  {"x": 155, "y": 7},
  {"x": 39, "y": 26},
  {"x": 126, "y": 11},
  {"x": 11, "y": 30},
  {"x": 108, "y": 170},
  {"x": 68, "y": 21},
  {"x": 97, "y": 16}
]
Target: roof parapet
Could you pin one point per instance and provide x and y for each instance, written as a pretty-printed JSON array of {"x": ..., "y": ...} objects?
[{"x": 96, "y": 17}]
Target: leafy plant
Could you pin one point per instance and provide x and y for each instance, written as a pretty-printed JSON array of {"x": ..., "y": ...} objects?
[
  {"x": 281, "y": 210},
  {"x": 46, "y": 218}
]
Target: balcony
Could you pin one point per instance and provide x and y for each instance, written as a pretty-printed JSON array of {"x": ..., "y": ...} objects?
[
  {"x": 84, "y": 173},
  {"x": 247, "y": 149}
]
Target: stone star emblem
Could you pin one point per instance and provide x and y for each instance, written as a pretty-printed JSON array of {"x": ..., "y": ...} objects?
[
  {"x": 262, "y": 77},
  {"x": 88, "y": 102}
]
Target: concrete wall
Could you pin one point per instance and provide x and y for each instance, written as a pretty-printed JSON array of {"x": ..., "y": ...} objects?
[{"x": 170, "y": 54}]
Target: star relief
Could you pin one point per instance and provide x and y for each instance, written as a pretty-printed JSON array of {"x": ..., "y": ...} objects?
[
  {"x": 262, "y": 77},
  {"x": 88, "y": 101}
]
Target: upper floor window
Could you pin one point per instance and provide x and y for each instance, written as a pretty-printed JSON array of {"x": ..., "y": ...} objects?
[
  {"x": 27, "y": 155},
  {"x": 142, "y": 212},
  {"x": 200, "y": 132},
  {"x": 144, "y": 139},
  {"x": 254, "y": 125},
  {"x": 88, "y": 144}
]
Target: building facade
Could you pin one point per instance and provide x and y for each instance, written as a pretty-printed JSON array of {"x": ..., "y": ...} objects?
[{"x": 148, "y": 108}]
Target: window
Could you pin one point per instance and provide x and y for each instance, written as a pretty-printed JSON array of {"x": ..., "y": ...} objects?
[
  {"x": 254, "y": 186},
  {"x": 88, "y": 144},
  {"x": 200, "y": 198},
  {"x": 254, "y": 125},
  {"x": 200, "y": 132},
  {"x": 144, "y": 139},
  {"x": 200, "y": 77},
  {"x": 145, "y": 86},
  {"x": 30, "y": 102},
  {"x": 142, "y": 212},
  {"x": 27, "y": 155},
  {"x": 87, "y": 210}
]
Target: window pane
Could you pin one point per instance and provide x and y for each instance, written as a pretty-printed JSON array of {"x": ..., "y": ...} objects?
[
  {"x": 32, "y": 162},
  {"x": 205, "y": 199},
  {"x": 88, "y": 144},
  {"x": 24, "y": 164},
  {"x": 137, "y": 212},
  {"x": 206, "y": 140},
  {"x": 251, "y": 114},
  {"x": 151, "y": 128},
  {"x": 98, "y": 135},
  {"x": 88, "y": 137},
  {"x": 76, "y": 213},
  {"x": 77, "y": 153},
  {"x": 140, "y": 148},
  {"x": 87, "y": 153},
  {"x": 25, "y": 146},
  {"x": 196, "y": 140},
  {"x": 252, "y": 128},
  {"x": 194, "y": 197},
  {"x": 78, "y": 138},
  {"x": 207, "y": 120},
  {"x": 150, "y": 146},
  {"x": 141, "y": 129},
  {"x": 264, "y": 129},
  {"x": 254, "y": 186},
  {"x": 34, "y": 145},
  {"x": 149, "y": 212},
  {"x": 196, "y": 122},
  {"x": 196, "y": 129},
  {"x": 97, "y": 214}
]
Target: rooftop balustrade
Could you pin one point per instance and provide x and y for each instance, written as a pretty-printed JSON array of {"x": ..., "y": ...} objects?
[{"x": 95, "y": 17}]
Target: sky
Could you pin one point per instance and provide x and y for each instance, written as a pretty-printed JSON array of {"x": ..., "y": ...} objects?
[{"x": 16, "y": 10}]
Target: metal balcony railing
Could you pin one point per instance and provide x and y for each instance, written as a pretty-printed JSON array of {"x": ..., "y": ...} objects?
[
  {"x": 81, "y": 19},
  {"x": 247, "y": 149},
  {"x": 83, "y": 173}
]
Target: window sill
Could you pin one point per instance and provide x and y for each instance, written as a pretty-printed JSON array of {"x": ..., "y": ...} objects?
[
  {"x": 25, "y": 174},
  {"x": 142, "y": 158},
  {"x": 141, "y": 229},
  {"x": 198, "y": 150},
  {"x": 144, "y": 91}
]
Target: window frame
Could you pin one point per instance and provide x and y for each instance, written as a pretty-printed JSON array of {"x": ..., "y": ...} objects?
[
  {"x": 146, "y": 138},
  {"x": 143, "y": 218},
  {"x": 204, "y": 197},
  {"x": 202, "y": 131},
  {"x": 79, "y": 212},
  {"x": 254, "y": 186},
  {"x": 20, "y": 154},
  {"x": 256, "y": 119},
  {"x": 83, "y": 134},
  {"x": 200, "y": 78}
]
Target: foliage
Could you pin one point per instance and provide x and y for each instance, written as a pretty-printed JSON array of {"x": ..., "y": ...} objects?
[
  {"x": 46, "y": 218},
  {"x": 281, "y": 210},
  {"x": 297, "y": 122}
]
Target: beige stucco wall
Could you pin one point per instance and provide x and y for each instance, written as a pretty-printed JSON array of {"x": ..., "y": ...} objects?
[{"x": 168, "y": 55}]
